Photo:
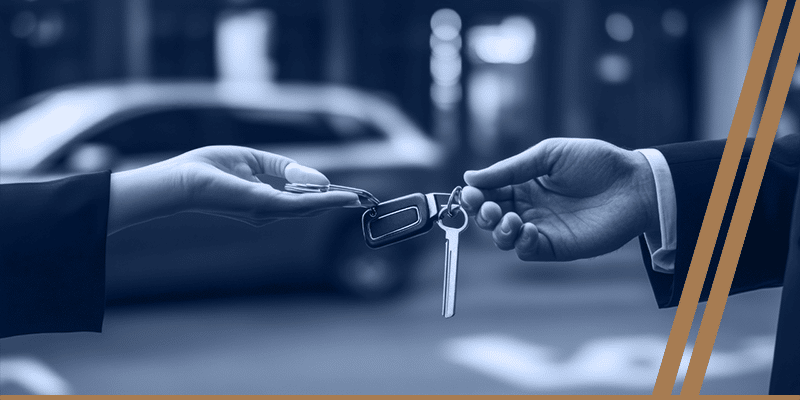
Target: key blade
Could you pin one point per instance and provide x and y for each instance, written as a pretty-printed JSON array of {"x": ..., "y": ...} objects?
[
  {"x": 451, "y": 259},
  {"x": 450, "y": 273}
]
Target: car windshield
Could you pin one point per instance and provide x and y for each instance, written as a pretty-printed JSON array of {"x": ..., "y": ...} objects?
[
  {"x": 36, "y": 131},
  {"x": 147, "y": 119},
  {"x": 185, "y": 128}
]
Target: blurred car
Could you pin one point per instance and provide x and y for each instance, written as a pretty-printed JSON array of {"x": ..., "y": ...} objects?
[{"x": 356, "y": 138}]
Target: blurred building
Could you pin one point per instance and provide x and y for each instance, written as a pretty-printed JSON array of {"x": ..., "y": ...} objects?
[{"x": 487, "y": 77}]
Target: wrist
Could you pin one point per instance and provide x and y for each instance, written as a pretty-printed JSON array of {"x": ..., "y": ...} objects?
[{"x": 141, "y": 195}]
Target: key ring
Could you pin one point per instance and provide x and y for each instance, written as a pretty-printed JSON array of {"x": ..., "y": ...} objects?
[
  {"x": 444, "y": 212},
  {"x": 455, "y": 197},
  {"x": 315, "y": 188}
]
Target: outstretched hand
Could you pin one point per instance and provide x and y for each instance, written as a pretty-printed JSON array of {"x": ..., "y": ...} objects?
[
  {"x": 218, "y": 180},
  {"x": 564, "y": 199}
]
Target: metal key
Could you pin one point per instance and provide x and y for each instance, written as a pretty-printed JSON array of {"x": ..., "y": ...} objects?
[
  {"x": 402, "y": 218},
  {"x": 451, "y": 259}
]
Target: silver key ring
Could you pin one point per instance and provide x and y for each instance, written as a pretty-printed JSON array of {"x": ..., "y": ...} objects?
[
  {"x": 316, "y": 188},
  {"x": 453, "y": 203},
  {"x": 359, "y": 192},
  {"x": 444, "y": 211}
]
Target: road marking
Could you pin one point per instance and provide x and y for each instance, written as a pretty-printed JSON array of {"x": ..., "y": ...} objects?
[
  {"x": 32, "y": 375},
  {"x": 628, "y": 362}
]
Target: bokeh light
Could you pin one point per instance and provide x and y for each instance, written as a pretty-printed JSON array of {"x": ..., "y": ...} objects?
[
  {"x": 445, "y": 65},
  {"x": 446, "y": 24},
  {"x": 614, "y": 68},
  {"x": 674, "y": 23},
  {"x": 619, "y": 27},
  {"x": 511, "y": 42}
]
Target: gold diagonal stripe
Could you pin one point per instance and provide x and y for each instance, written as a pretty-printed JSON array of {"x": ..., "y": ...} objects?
[
  {"x": 682, "y": 324},
  {"x": 744, "y": 209}
]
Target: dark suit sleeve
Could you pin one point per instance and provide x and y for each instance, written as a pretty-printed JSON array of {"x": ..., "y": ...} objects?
[
  {"x": 694, "y": 166},
  {"x": 52, "y": 255}
]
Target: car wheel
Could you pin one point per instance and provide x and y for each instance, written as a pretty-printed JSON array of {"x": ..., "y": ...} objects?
[{"x": 364, "y": 273}]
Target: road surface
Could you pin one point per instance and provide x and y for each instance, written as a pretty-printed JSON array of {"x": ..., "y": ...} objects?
[{"x": 586, "y": 327}]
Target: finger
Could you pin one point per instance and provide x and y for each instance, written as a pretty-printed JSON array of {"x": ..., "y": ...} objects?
[
  {"x": 529, "y": 164},
  {"x": 500, "y": 194},
  {"x": 489, "y": 216},
  {"x": 277, "y": 165},
  {"x": 297, "y": 203},
  {"x": 471, "y": 200},
  {"x": 266, "y": 202},
  {"x": 507, "y": 231},
  {"x": 296, "y": 173},
  {"x": 532, "y": 245},
  {"x": 263, "y": 162}
]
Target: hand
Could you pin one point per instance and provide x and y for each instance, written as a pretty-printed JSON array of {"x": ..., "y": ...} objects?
[
  {"x": 564, "y": 199},
  {"x": 218, "y": 180}
]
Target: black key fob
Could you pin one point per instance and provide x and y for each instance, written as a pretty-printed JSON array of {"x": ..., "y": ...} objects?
[{"x": 402, "y": 218}]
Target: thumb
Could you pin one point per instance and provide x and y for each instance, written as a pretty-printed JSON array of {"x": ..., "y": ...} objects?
[
  {"x": 530, "y": 164},
  {"x": 296, "y": 173}
]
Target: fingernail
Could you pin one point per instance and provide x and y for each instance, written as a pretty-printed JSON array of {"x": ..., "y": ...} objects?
[
  {"x": 525, "y": 235},
  {"x": 505, "y": 226}
]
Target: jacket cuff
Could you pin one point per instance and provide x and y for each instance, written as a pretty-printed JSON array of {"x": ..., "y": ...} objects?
[{"x": 53, "y": 255}]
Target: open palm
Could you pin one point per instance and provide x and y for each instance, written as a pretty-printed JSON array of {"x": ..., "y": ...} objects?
[
  {"x": 564, "y": 199},
  {"x": 222, "y": 180}
]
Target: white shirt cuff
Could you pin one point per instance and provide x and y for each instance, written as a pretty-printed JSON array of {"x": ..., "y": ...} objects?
[{"x": 663, "y": 245}]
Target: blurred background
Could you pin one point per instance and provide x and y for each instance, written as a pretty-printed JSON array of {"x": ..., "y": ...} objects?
[{"x": 395, "y": 98}]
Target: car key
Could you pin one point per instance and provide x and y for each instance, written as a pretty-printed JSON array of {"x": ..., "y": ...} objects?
[
  {"x": 402, "y": 218},
  {"x": 451, "y": 259}
]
